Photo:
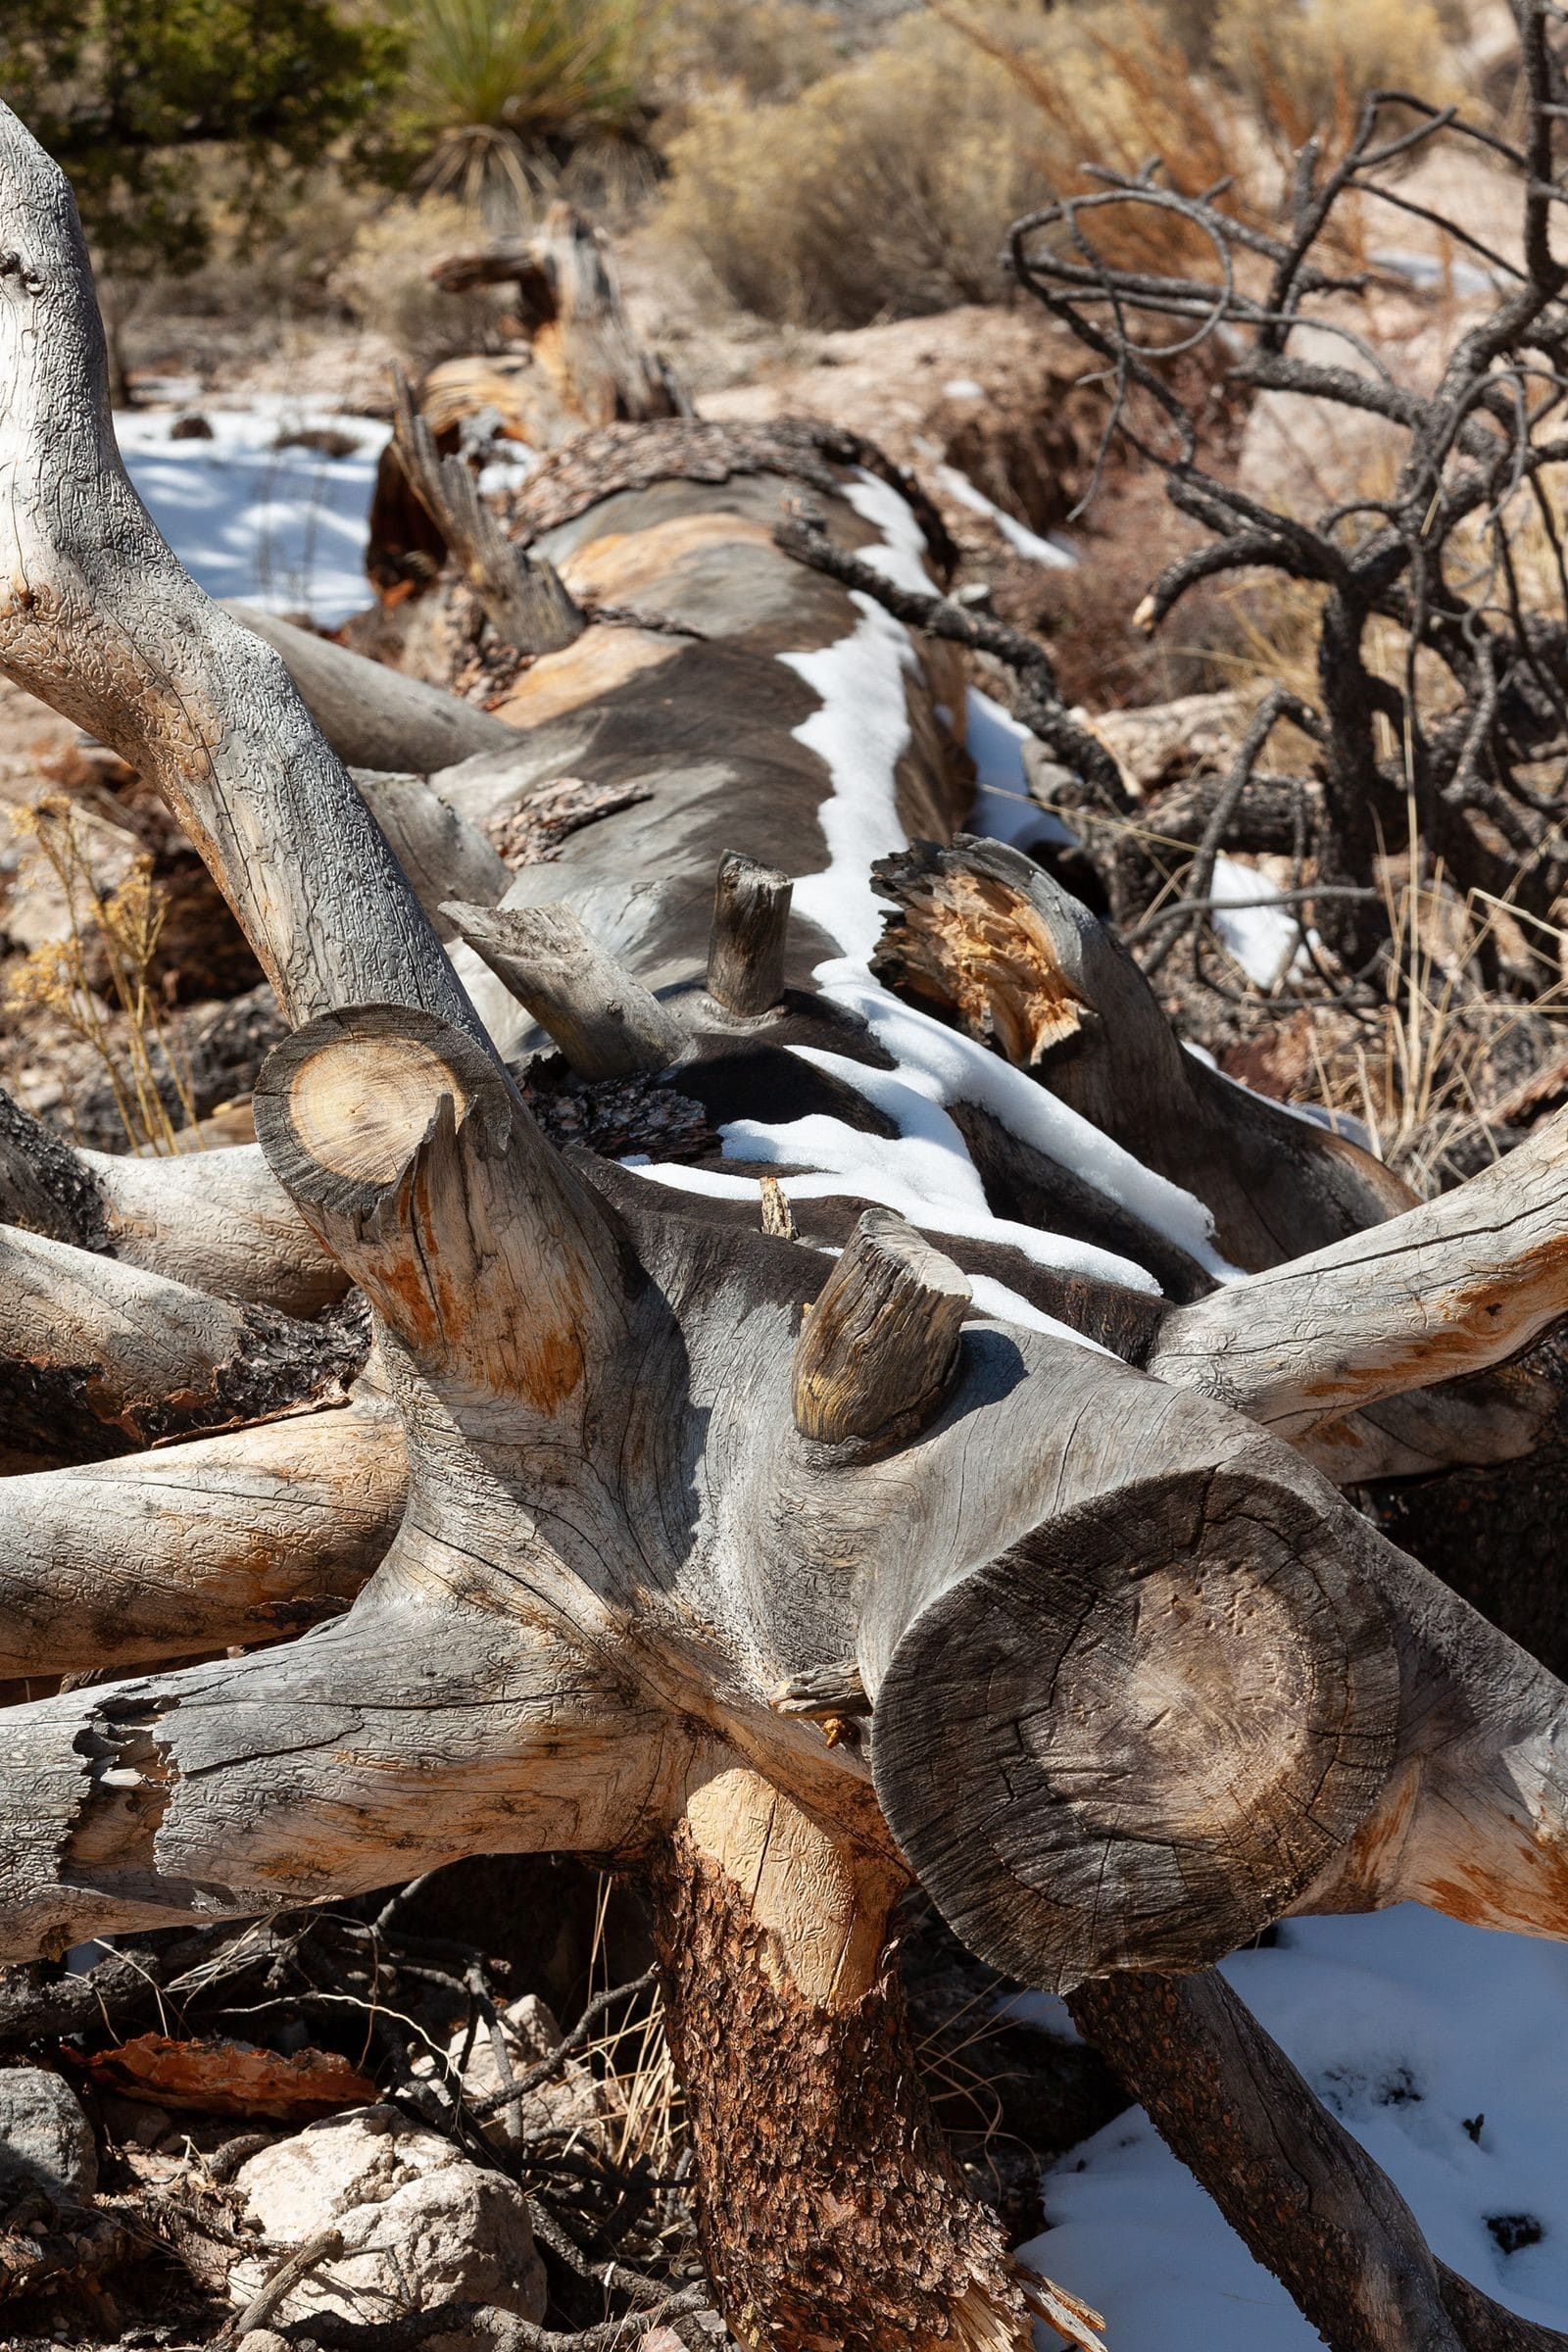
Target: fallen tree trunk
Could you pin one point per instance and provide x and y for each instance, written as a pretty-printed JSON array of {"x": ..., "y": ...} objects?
[{"x": 777, "y": 1579}]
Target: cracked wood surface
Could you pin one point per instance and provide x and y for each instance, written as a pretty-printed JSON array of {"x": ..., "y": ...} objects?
[{"x": 229, "y": 1540}]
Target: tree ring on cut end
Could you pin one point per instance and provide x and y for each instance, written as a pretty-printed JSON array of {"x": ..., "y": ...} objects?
[
  {"x": 1134, "y": 1739},
  {"x": 359, "y": 1106}
]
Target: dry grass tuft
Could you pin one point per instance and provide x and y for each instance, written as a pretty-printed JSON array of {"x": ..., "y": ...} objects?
[
  {"x": 119, "y": 930},
  {"x": 1423, "y": 1075}
]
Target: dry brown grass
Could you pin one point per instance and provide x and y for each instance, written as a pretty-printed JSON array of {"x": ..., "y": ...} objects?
[
  {"x": 1424, "y": 1073},
  {"x": 116, "y": 932}
]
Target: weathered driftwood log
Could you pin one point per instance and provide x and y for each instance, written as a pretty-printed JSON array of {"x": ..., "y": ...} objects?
[{"x": 1139, "y": 1678}]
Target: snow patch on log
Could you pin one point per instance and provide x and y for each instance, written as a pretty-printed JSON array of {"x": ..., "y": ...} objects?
[
  {"x": 860, "y": 733},
  {"x": 946, "y": 1067},
  {"x": 901, "y": 556}
]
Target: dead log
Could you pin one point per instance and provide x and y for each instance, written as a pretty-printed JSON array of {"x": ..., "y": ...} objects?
[
  {"x": 521, "y": 594},
  {"x": 373, "y": 716},
  {"x": 100, "y": 627},
  {"x": 1139, "y": 1679},
  {"x": 604, "y": 1022},
  {"x": 1454, "y": 1285}
]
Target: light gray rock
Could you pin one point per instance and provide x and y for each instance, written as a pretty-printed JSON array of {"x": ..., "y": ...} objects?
[
  {"x": 420, "y": 2225},
  {"x": 573, "y": 2101},
  {"x": 43, "y": 2131}
]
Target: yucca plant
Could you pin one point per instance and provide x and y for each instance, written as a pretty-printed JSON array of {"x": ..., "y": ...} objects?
[{"x": 499, "y": 87}]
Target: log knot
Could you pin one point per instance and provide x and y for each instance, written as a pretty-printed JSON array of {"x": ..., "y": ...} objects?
[{"x": 15, "y": 265}]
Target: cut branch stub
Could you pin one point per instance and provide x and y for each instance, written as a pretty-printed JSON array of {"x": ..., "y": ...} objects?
[
  {"x": 606, "y": 1023},
  {"x": 1130, "y": 1742},
  {"x": 751, "y": 924},
  {"x": 432, "y": 1186},
  {"x": 876, "y": 1350}
]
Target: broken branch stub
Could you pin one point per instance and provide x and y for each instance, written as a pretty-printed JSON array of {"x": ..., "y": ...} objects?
[
  {"x": 525, "y": 598},
  {"x": 750, "y": 925},
  {"x": 877, "y": 1348},
  {"x": 604, "y": 1020}
]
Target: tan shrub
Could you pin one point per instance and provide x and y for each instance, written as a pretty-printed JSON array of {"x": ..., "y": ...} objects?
[
  {"x": 766, "y": 49},
  {"x": 882, "y": 190},
  {"x": 1305, "y": 65},
  {"x": 384, "y": 280}
]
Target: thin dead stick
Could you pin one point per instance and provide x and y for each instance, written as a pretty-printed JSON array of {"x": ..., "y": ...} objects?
[{"x": 280, "y": 2283}]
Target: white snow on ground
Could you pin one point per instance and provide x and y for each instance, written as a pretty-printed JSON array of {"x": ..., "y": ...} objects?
[
  {"x": 1263, "y": 938},
  {"x": 1443, "y": 2047},
  {"x": 1055, "y": 551},
  {"x": 252, "y": 515},
  {"x": 1003, "y": 808}
]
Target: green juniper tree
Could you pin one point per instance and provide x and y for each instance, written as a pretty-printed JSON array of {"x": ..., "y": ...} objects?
[{"x": 158, "y": 114}]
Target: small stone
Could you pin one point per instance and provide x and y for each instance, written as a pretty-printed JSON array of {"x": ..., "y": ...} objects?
[
  {"x": 192, "y": 428},
  {"x": 421, "y": 2222},
  {"x": 44, "y": 2136},
  {"x": 263, "y": 2340}
]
